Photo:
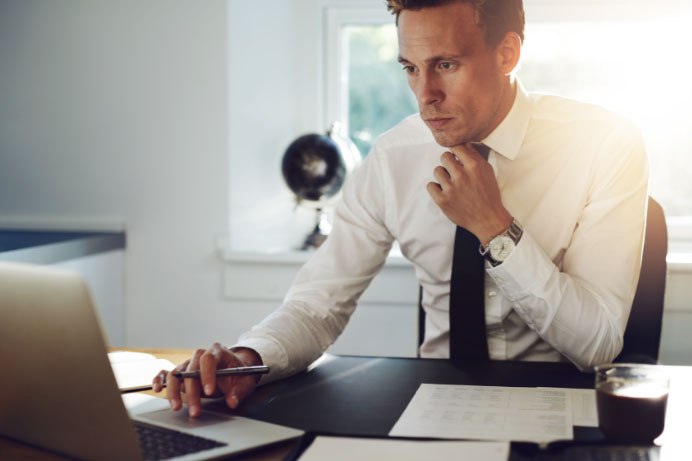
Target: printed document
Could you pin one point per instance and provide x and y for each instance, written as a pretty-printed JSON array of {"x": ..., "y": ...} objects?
[
  {"x": 487, "y": 413},
  {"x": 584, "y": 412}
]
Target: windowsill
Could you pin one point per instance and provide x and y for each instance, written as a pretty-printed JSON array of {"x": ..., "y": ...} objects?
[
  {"x": 679, "y": 257},
  {"x": 678, "y": 261},
  {"x": 395, "y": 258}
]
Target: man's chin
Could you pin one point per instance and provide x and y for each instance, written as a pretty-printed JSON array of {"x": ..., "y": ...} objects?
[
  {"x": 447, "y": 140},
  {"x": 448, "y": 136}
]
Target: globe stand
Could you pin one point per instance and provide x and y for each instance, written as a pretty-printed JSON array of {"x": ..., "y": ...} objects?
[{"x": 319, "y": 233}]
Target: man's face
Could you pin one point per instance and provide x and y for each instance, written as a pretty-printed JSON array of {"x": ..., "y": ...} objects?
[{"x": 453, "y": 74}]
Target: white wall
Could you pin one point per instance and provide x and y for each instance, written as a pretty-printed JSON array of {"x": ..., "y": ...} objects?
[{"x": 117, "y": 111}]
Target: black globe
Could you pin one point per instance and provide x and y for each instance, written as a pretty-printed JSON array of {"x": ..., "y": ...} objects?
[{"x": 313, "y": 167}]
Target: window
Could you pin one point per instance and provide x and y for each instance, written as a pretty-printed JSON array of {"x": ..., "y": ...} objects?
[
  {"x": 378, "y": 93},
  {"x": 629, "y": 56}
]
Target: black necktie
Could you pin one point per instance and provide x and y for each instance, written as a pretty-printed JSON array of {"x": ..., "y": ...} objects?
[{"x": 467, "y": 337}]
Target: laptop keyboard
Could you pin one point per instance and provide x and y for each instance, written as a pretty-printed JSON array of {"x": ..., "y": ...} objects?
[{"x": 161, "y": 443}]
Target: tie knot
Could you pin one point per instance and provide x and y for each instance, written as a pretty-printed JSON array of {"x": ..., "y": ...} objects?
[{"x": 482, "y": 149}]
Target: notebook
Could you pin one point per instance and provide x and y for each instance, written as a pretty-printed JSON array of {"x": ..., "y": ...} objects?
[
  {"x": 59, "y": 392},
  {"x": 133, "y": 370}
]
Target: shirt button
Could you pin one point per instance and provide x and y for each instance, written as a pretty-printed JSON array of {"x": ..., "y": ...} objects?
[{"x": 492, "y": 294}]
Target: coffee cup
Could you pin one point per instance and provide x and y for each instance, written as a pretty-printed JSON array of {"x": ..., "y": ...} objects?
[{"x": 631, "y": 401}]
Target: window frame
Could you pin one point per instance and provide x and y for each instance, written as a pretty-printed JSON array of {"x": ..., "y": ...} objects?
[{"x": 336, "y": 16}]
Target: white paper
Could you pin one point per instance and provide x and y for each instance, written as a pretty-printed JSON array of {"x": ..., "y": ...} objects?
[
  {"x": 487, "y": 413},
  {"x": 136, "y": 370},
  {"x": 363, "y": 449},
  {"x": 584, "y": 412}
]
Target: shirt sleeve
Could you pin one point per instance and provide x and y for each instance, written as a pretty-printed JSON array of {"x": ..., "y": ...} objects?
[
  {"x": 323, "y": 295},
  {"x": 581, "y": 309}
]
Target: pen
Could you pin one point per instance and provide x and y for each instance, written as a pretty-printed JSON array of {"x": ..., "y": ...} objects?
[{"x": 255, "y": 370}]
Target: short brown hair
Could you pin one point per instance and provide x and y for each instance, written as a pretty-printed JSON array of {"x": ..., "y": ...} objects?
[{"x": 494, "y": 17}]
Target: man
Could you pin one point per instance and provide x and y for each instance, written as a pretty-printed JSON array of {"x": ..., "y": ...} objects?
[{"x": 564, "y": 187}]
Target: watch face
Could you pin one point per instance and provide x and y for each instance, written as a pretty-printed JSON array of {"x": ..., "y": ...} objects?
[{"x": 501, "y": 247}]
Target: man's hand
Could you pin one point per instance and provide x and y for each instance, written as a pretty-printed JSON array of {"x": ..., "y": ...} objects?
[
  {"x": 233, "y": 388},
  {"x": 467, "y": 193}
]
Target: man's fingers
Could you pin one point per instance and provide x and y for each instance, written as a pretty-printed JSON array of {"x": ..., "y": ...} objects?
[
  {"x": 192, "y": 386},
  {"x": 435, "y": 191},
  {"x": 234, "y": 388},
  {"x": 173, "y": 387},
  {"x": 468, "y": 155},
  {"x": 452, "y": 164},
  {"x": 442, "y": 177},
  {"x": 240, "y": 389},
  {"x": 159, "y": 380},
  {"x": 208, "y": 363}
]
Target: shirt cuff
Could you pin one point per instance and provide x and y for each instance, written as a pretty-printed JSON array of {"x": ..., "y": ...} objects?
[
  {"x": 525, "y": 271},
  {"x": 272, "y": 355}
]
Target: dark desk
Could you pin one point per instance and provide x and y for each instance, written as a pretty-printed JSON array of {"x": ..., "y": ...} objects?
[{"x": 364, "y": 396}]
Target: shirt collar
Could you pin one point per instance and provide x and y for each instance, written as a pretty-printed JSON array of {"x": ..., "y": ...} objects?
[{"x": 506, "y": 139}]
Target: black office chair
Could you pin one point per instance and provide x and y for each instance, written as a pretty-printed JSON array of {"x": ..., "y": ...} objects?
[{"x": 643, "y": 332}]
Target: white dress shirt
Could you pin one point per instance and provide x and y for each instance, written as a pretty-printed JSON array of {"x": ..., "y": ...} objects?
[{"x": 574, "y": 175}]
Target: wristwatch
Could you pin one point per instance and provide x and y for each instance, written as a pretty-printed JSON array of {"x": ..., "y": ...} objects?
[{"x": 501, "y": 246}]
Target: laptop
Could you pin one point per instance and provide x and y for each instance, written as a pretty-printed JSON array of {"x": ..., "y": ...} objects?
[{"x": 59, "y": 392}]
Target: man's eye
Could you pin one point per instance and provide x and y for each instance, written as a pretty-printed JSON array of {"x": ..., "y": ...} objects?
[
  {"x": 446, "y": 65},
  {"x": 408, "y": 69}
]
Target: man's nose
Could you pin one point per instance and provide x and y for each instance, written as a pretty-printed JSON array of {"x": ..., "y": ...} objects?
[{"x": 429, "y": 91}]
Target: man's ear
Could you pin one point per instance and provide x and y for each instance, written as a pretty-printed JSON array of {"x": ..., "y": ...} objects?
[{"x": 508, "y": 53}]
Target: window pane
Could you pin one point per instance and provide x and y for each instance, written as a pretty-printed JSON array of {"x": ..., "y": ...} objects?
[{"x": 378, "y": 94}]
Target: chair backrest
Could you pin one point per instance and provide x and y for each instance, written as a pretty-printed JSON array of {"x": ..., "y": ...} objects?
[
  {"x": 421, "y": 320},
  {"x": 643, "y": 333}
]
